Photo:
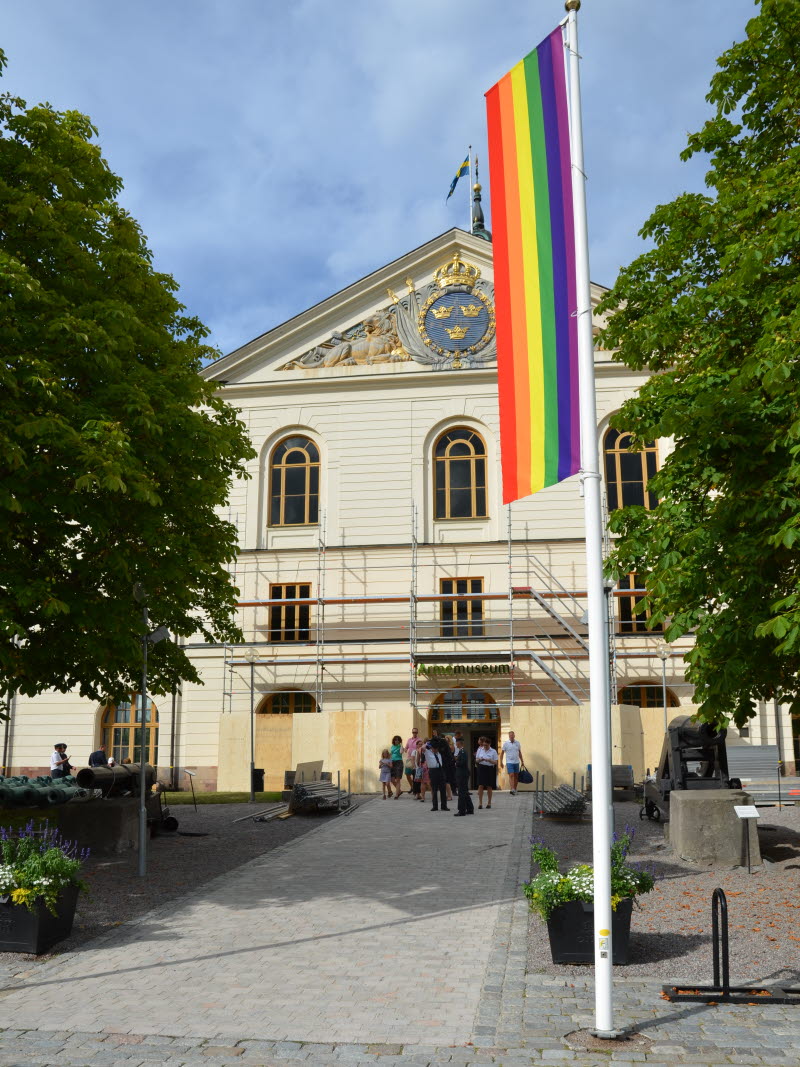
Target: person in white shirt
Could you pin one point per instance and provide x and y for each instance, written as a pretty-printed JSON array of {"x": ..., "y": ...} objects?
[
  {"x": 486, "y": 762},
  {"x": 512, "y": 753},
  {"x": 59, "y": 761}
]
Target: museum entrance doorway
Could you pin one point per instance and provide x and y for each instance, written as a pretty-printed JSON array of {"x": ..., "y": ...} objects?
[{"x": 470, "y": 712}]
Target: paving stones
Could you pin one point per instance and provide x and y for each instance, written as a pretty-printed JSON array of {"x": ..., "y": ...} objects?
[{"x": 320, "y": 954}]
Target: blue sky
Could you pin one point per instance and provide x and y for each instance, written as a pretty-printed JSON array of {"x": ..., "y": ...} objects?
[{"x": 274, "y": 152}]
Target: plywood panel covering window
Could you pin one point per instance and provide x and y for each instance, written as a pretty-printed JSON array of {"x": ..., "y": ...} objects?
[
  {"x": 460, "y": 475},
  {"x": 290, "y": 621},
  {"x": 629, "y": 620},
  {"x": 627, "y": 473},
  {"x": 461, "y": 618},
  {"x": 294, "y": 483}
]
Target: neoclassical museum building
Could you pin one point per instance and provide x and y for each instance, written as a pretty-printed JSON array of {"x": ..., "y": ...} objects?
[{"x": 382, "y": 582}]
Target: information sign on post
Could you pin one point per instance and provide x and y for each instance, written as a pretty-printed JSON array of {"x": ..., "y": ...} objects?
[{"x": 745, "y": 812}]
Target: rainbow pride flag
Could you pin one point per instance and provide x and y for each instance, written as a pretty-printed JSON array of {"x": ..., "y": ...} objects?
[{"x": 534, "y": 272}]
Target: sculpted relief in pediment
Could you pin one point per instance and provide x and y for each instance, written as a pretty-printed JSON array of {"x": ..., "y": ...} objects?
[{"x": 448, "y": 324}]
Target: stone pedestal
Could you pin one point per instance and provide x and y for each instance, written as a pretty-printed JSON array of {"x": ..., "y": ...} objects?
[
  {"x": 105, "y": 826},
  {"x": 704, "y": 828}
]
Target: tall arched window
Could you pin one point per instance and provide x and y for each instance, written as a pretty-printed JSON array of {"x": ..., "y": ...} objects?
[
  {"x": 460, "y": 475},
  {"x": 627, "y": 473},
  {"x": 289, "y": 702},
  {"x": 122, "y": 731},
  {"x": 294, "y": 483}
]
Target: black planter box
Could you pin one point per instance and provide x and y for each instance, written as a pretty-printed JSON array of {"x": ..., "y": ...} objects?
[
  {"x": 571, "y": 930},
  {"x": 35, "y": 931}
]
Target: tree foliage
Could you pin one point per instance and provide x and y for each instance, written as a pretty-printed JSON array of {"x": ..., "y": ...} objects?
[
  {"x": 114, "y": 453},
  {"x": 713, "y": 309}
]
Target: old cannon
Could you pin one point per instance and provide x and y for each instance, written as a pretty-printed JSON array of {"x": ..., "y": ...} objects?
[
  {"x": 20, "y": 791},
  {"x": 119, "y": 781},
  {"x": 693, "y": 756}
]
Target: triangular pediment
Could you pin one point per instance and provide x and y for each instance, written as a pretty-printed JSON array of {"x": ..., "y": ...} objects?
[{"x": 428, "y": 310}]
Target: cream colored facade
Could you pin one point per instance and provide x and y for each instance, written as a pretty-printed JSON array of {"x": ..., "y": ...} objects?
[{"x": 374, "y": 563}]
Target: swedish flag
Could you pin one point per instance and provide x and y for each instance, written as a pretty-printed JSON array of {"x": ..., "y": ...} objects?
[{"x": 463, "y": 169}]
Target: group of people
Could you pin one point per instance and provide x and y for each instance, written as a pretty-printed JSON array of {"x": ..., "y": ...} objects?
[
  {"x": 60, "y": 765},
  {"x": 440, "y": 763}
]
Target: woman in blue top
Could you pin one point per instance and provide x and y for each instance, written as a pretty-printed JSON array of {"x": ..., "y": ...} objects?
[{"x": 397, "y": 764}]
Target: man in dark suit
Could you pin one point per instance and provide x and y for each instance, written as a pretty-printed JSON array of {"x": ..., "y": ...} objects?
[
  {"x": 465, "y": 805},
  {"x": 433, "y": 758},
  {"x": 98, "y": 758}
]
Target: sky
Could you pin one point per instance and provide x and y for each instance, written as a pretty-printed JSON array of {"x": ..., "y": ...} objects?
[{"x": 276, "y": 151}]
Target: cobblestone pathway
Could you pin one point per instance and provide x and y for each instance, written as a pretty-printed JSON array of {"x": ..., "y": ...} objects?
[{"x": 394, "y": 936}]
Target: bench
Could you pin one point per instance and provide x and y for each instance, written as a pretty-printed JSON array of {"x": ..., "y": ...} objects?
[{"x": 621, "y": 776}]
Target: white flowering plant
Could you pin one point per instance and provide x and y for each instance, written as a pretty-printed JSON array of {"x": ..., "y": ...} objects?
[
  {"x": 549, "y": 889},
  {"x": 36, "y": 864}
]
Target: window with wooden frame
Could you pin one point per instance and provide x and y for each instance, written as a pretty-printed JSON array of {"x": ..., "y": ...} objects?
[
  {"x": 289, "y": 702},
  {"x": 627, "y": 473},
  {"x": 647, "y": 695},
  {"x": 460, "y": 475},
  {"x": 464, "y": 705},
  {"x": 461, "y": 618},
  {"x": 290, "y": 621},
  {"x": 294, "y": 483},
  {"x": 121, "y": 728},
  {"x": 629, "y": 621}
]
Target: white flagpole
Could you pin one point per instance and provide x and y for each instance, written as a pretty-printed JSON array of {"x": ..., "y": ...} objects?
[{"x": 598, "y": 632}]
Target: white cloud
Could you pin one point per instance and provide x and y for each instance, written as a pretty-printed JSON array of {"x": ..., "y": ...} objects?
[{"x": 275, "y": 152}]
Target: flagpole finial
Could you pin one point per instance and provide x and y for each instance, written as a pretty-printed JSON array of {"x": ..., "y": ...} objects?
[{"x": 572, "y": 5}]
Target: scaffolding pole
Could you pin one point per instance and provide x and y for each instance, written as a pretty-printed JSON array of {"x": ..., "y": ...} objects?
[{"x": 510, "y": 603}]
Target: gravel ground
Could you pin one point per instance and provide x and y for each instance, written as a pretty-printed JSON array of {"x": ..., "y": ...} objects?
[
  {"x": 671, "y": 928},
  {"x": 176, "y": 865}
]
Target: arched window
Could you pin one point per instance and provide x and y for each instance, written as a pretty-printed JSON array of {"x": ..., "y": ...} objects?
[
  {"x": 289, "y": 702},
  {"x": 460, "y": 475},
  {"x": 294, "y": 483},
  {"x": 464, "y": 705},
  {"x": 122, "y": 731},
  {"x": 627, "y": 473},
  {"x": 647, "y": 695}
]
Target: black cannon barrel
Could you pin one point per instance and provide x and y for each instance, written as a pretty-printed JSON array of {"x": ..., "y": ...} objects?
[
  {"x": 116, "y": 780},
  {"x": 691, "y": 734}
]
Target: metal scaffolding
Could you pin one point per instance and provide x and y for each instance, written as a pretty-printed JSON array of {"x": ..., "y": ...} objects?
[{"x": 537, "y": 639}]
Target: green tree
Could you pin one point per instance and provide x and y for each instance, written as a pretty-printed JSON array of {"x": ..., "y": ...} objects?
[
  {"x": 713, "y": 310},
  {"x": 114, "y": 453}
]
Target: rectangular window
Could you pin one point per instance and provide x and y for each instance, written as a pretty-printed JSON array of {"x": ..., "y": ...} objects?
[
  {"x": 290, "y": 621},
  {"x": 629, "y": 621},
  {"x": 462, "y": 617}
]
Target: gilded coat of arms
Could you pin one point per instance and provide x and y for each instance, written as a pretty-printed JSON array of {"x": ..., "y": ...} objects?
[
  {"x": 448, "y": 324},
  {"x": 451, "y": 323}
]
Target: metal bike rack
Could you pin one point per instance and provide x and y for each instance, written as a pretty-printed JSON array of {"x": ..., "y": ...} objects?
[{"x": 722, "y": 992}]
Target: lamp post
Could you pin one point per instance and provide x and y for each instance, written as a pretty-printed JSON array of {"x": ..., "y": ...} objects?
[
  {"x": 161, "y": 633},
  {"x": 664, "y": 654}
]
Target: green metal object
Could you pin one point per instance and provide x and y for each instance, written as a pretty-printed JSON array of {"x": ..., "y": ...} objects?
[{"x": 20, "y": 791}]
